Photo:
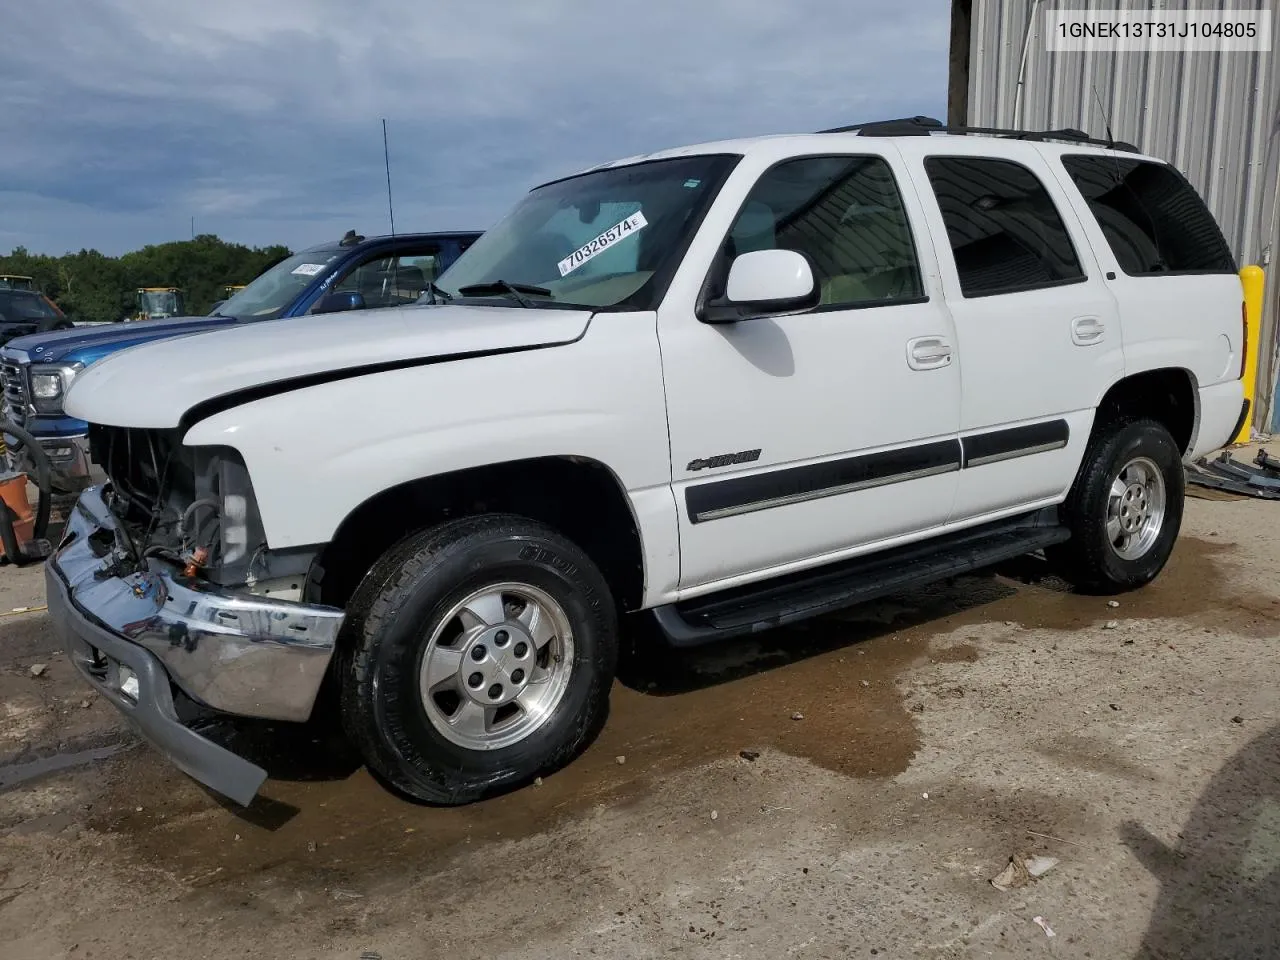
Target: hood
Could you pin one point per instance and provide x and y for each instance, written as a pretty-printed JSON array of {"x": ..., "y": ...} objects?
[
  {"x": 154, "y": 385},
  {"x": 90, "y": 344}
]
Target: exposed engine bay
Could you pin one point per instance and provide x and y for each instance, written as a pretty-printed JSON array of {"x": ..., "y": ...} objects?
[{"x": 193, "y": 507}]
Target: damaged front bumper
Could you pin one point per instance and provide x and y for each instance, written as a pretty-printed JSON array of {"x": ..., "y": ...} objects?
[{"x": 134, "y": 636}]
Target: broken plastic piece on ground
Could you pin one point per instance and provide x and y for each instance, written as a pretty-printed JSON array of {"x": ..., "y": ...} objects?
[
  {"x": 1267, "y": 462},
  {"x": 1223, "y": 472},
  {"x": 1043, "y": 924},
  {"x": 1021, "y": 870}
]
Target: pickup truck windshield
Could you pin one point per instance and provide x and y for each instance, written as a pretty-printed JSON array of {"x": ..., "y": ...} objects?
[
  {"x": 272, "y": 291},
  {"x": 609, "y": 238},
  {"x": 20, "y": 305}
]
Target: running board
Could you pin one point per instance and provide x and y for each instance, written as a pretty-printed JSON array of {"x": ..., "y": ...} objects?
[{"x": 795, "y": 597}]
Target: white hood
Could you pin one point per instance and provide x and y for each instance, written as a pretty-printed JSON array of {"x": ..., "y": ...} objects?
[{"x": 154, "y": 384}]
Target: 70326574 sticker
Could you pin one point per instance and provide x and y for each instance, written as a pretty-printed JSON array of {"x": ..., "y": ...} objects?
[{"x": 593, "y": 248}]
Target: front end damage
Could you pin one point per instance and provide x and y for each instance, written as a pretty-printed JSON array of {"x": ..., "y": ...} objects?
[{"x": 164, "y": 590}]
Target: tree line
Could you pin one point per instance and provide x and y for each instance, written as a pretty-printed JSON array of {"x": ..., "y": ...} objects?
[{"x": 92, "y": 286}]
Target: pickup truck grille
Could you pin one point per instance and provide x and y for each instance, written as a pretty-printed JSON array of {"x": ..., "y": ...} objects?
[{"x": 13, "y": 376}]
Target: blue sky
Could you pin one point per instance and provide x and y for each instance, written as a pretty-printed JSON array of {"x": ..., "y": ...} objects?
[{"x": 125, "y": 118}]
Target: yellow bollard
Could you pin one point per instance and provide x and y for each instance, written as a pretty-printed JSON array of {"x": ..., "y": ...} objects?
[{"x": 1251, "y": 279}]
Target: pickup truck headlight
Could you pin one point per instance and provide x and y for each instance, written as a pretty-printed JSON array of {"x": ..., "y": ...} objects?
[{"x": 49, "y": 383}]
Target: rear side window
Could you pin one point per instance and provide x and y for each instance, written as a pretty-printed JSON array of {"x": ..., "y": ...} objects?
[
  {"x": 1153, "y": 219},
  {"x": 1005, "y": 233}
]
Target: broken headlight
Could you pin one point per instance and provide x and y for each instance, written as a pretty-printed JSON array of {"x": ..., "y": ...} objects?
[{"x": 223, "y": 515}]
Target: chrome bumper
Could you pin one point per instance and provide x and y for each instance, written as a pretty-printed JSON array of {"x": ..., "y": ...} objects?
[
  {"x": 252, "y": 656},
  {"x": 238, "y": 654},
  {"x": 133, "y": 680}
]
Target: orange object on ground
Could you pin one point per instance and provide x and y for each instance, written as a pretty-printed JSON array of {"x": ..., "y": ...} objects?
[{"x": 13, "y": 492}]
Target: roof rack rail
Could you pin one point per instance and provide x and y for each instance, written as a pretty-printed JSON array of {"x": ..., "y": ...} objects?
[
  {"x": 905, "y": 126},
  {"x": 924, "y": 126}
]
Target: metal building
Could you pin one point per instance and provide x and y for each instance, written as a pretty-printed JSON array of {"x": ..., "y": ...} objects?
[{"x": 1214, "y": 115}]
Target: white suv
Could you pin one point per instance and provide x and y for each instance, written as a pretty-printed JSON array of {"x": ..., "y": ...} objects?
[{"x": 714, "y": 389}]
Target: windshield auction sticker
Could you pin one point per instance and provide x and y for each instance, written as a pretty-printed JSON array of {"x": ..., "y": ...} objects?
[
  {"x": 308, "y": 269},
  {"x": 611, "y": 237}
]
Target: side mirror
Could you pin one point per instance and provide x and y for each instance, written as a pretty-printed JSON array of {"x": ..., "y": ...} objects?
[
  {"x": 763, "y": 282},
  {"x": 337, "y": 302},
  {"x": 216, "y": 305}
]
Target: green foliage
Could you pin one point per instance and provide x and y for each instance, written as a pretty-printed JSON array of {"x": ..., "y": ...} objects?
[{"x": 92, "y": 286}]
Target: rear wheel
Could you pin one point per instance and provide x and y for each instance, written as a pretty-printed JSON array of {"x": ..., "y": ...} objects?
[
  {"x": 479, "y": 655},
  {"x": 1125, "y": 508}
]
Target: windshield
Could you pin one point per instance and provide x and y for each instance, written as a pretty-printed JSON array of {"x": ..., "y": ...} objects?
[
  {"x": 19, "y": 305},
  {"x": 275, "y": 289},
  {"x": 605, "y": 239}
]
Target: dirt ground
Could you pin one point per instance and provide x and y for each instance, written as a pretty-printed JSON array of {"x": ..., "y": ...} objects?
[{"x": 843, "y": 790}]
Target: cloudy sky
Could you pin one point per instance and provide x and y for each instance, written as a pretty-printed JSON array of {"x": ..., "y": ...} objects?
[{"x": 261, "y": 118}]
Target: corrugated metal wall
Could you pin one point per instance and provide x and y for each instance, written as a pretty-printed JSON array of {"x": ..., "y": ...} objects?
[{"x": 1215, "y": 116}]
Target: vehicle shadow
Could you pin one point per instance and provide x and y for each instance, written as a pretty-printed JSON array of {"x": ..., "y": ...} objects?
[
  {"x": 650, "y": 665},
  {"x": 1220, "y": 886},
  {"x": 315, "y": 751}
]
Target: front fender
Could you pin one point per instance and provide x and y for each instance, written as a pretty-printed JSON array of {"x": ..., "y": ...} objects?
[{"x": 315, "y": 454}]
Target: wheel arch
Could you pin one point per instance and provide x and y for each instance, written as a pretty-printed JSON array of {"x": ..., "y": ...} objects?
[
  {"x": 580, "y": 497},
  {"x": 1168, "y": 395}
]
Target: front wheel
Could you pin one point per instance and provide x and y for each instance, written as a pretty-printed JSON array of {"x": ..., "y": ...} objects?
[
  {"x": 478, "y": 656},
  {"x": 1124, "y": 510}
]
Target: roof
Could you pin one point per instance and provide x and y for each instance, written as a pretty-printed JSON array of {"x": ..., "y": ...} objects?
[
  {"x": 850, "y": 140},
  {"x": 386, "y": 237}
]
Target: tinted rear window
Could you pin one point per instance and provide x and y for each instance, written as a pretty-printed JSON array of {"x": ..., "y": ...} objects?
[
  {"x": 1153, "y": 219},
  {"x": 1004, "y": 229}
]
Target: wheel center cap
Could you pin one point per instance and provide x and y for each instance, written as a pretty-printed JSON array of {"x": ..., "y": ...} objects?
[
  {"x": 496, "y": 664},
  {"x": 1134, "y": 513}
]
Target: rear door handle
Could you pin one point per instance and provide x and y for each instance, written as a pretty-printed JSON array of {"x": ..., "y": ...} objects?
[
  {"x": 928, "y": 353},
  {"x": 1087, "y": 330}
]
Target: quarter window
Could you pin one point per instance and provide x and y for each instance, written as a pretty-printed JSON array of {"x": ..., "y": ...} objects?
[
  {"x": 1005, "y": 233},
  {"x": 1153, "y": 219},
  {"x": 846, "y": 215}
]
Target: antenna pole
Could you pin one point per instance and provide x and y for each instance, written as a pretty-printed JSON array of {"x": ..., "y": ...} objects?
[
  {"x": 386, "y": 157},
  {"x": 1106, "y": 118}
]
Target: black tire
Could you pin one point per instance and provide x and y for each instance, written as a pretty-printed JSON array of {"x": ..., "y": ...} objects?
[
  {"x": 1088, "y": 560},
  {"x": 392, "y": 616}
]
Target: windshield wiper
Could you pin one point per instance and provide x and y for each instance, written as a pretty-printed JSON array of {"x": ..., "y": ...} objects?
[{"x": 503, "y": 286}]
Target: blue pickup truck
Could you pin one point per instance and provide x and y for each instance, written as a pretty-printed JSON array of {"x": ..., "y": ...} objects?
[{"x": 350, "y": 274}]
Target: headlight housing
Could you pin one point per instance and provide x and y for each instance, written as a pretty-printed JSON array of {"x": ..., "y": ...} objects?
[{"x": 49, "y": 384}]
